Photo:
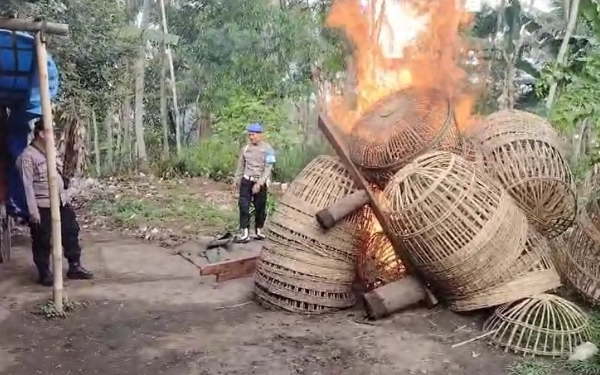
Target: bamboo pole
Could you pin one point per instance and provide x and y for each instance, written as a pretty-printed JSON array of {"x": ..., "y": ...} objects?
[
  {"x": 42, "y": 64},
  {"x": 23, "y": 24},
  {"x": 178, "y": 122}
]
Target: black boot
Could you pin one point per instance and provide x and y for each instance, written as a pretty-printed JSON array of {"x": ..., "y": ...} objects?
[
  {"x": 77, "y": 272},
  {"x": 45, "y": 278}
]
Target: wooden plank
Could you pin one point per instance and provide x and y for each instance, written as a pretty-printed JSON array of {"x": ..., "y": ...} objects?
[
  {"x": 327, "y": 128},
  {"x": 245, "y": 267},
  {"x": 232, "y": 268},
  {"x": 27, "y": 25}
]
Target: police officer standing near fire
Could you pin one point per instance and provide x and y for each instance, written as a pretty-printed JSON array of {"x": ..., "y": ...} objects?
[
  {"x": 33, "y": 168},
  {"x": 252, "y": 176}
]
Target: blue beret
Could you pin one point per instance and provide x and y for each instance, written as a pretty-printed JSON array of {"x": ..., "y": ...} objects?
[{"x": 255, "y": 128}]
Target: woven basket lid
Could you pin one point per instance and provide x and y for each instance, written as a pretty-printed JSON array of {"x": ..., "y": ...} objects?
[
  {"x": 544, "y": 325},
  {"x": 401, "y": 127}
]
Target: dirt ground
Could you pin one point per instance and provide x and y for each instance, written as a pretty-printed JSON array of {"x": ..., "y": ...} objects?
[{"x": 151, "y": 313}]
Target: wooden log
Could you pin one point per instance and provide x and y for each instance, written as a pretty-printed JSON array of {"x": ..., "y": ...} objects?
[
  {"x": 394, "y": 297},
  {"x": 330, "y": 216},
  {"x": 334, "y": 139},
  {"x": 57, "y": 252},
  {"x": 24, "y": 24}
]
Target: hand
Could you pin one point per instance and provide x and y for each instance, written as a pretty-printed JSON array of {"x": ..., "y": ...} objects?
[
  {"x": 256, "y": 187},
  {"x": 34, "y": 219}
]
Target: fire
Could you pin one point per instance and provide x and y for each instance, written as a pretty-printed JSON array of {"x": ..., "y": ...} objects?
[{"x": 399, "y": 44}]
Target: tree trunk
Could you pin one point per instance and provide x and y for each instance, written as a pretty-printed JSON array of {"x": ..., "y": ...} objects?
[
  {"x": 110, "y": 157},
  {"x": 163, "y": 106},
  {"x": 140, "y": 67},
  {"x": 172, "y": 81},
  {"x": 96, "y": 143},
  {"x": 564, "y": 48},
  {"x": 119, "y": 141},
  {"x": 126, "y": 121},
  {"x": 579, "y": 142}
]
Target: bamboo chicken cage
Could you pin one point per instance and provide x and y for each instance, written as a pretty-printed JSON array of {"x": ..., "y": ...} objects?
[
  {"x": 532, "y": 273},
  {"x": 460, "y": 228},
  {"x": 525, "y": 155},
  {"x": 301, "y": 268},
  {"x": 400, "y": 127},
  {"x": 581, "y": 257}
]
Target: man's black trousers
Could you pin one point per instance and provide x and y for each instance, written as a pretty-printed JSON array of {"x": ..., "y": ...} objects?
[
  {"x": 259, "y": 200},
  {"x": 41, "y": 236}
]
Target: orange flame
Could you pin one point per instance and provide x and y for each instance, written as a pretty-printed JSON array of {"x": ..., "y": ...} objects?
[{"x": 399, "y": 44}]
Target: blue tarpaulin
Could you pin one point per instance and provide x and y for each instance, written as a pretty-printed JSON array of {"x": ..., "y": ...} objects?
[{"x": 20, "y": 93}]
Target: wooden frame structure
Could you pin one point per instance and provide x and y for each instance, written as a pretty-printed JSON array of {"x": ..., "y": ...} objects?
[{"x": 40, "y": 29}]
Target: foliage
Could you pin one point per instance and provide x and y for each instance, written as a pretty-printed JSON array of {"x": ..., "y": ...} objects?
[
  {"x": 212, "y": 158},
  {"x": 49, "y": 311},
  {"x": 579, "y": 78},
  {"x": 217, "y": 159},
  {"x": 242, "y": 109},
  {"x": 579, "y": 99},
  {"x": 247, "y": 45}
]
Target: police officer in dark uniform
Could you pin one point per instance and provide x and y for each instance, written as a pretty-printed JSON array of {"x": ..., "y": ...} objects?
[{"x": 252, "y": 176}]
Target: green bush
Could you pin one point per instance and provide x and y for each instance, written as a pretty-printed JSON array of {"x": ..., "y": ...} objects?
[
  {"x": 293, "y": 159},
  {"x": 211, "y": 158}
]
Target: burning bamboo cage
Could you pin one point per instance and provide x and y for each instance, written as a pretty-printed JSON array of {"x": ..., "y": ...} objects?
[
  {"x": 524, "y": 154},
  {"x": 377, "y": 263},
  {"x": 400, "y": 127}
]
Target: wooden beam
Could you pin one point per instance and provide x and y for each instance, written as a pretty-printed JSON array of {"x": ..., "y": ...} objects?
[
  {"x": 231, "y": 269},
  {"x": 326, "y": 126},
  {"x": 328, "y": 217},
  {"x": 24, "y": 24},
  {"x": 57, "y": 250}
]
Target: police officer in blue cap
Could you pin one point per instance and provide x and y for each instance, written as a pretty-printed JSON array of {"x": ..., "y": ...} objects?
[{"x": 252, "y": 176}]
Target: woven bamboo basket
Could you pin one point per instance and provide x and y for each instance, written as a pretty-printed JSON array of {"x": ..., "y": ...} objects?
[
  {"x": 377, "y": 263},
  {"x": 582, "y": 255},
  {"x": 524, "y": 154},
  {"x": 321, "y": 183},
  {"x": 471, "y": 151},
  {"x": 589, "y": 185},
  {"x": 460, "y": 228},
  {"x": 543, "y": 325},
  {"x": 559, "y": 253},
  {"x": 533, "y": 273},
  {"x": 400, "y": 127},
  {"x": 305, "y": 284},
  {"x": 302, "y": 268}
]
